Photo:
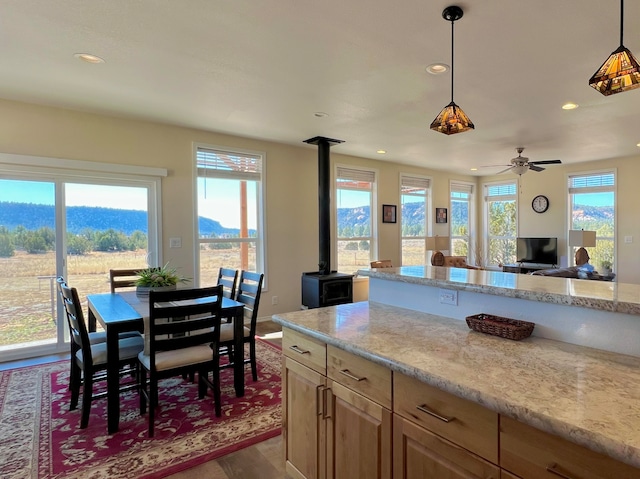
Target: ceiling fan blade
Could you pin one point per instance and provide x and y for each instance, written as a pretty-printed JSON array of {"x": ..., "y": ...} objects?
[
  {"x": 493, "y": 166},
  {"x": 545, "y": 162},
  {"x": 535, "y": 168},
  {"x": 504, "y": 171}
]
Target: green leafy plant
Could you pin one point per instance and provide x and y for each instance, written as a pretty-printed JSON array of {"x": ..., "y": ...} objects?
[{"x": 160, "y": 276}]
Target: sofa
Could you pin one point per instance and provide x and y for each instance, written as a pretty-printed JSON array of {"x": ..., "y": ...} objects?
[{"x": 575, "y": 272}]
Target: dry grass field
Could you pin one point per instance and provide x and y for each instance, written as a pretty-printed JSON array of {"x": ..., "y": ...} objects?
[{"x": 28, "y": 295}]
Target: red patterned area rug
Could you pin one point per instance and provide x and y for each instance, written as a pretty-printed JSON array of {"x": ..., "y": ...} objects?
[{"x": 40, "y": 438}]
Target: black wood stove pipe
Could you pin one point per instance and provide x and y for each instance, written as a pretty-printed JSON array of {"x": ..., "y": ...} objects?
[{"x": 324, "y": 200}]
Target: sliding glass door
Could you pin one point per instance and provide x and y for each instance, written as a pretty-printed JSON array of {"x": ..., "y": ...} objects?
[{"x": 63, "y": 226}]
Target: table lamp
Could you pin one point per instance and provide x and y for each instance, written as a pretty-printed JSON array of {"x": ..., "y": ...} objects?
[
  {"x": 435, "y": 244},
  {"x": 583, "y": 239}
]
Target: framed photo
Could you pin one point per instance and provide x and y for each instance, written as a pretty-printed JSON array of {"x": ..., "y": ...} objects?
[
  {"x": 388, "y": 213},
  {"x": 441, "y": 215}
]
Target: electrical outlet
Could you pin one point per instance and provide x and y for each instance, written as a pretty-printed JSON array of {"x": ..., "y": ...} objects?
[
  {"x": 448, "y": 296},
  {"x": 628, "y": 239},
  {"x": 274, "y": 300},
  {"x": 175, "y": 242}
]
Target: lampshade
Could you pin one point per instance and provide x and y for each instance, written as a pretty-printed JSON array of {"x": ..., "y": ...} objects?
[
  {"x": 620, "y": 72},
  {"x": 586, "y": 239},
  {"x": 452, "y": 119},
  {"x": 437, "y": 243}
]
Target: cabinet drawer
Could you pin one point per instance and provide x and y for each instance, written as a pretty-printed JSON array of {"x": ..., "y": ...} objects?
[
  {"x": 361, "y": 375},
  {"x": 461, "y": 421},
  {"x": 418, "y": 454},
  {"x": 306, "y": 350},
  {"x": 531, "y": 453}
]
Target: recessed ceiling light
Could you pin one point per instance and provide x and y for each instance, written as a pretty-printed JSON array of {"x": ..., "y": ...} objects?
[
  {"x": 570, "y": 106},
  {"x": 437, "y": 68},
  {"x": 638, "y": 145},
  {"x": 320, "y": 114},
  {"x": 382, "y": 152},
  {"x": 88, "y": 57},
  {"x": 474, "y": 169}
]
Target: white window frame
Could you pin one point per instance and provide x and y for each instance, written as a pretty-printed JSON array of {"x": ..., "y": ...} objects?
[
  {"x": 456, "y": 186},
  {"x": 593, "y": 189},
  {"x": 259, "y": 177},
  {"x": 485, "y": 208},
  {"x": 367, "y": 174},
  {"x": 420, "y": 181}
]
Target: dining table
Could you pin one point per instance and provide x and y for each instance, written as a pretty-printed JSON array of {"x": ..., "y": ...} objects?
[{"x": 124, "y": 311}]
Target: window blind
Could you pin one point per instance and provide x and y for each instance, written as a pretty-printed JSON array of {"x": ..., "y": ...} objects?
[
  {"x": 504, "y": 189},
  {"x": 592, "y": 183},
  {"x": 352, "y": 174},
  {"x": 228, "y": 164},
  {"x": 461, "y": 187}
]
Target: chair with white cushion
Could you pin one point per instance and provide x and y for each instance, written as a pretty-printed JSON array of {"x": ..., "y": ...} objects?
[{"x": 181, "y": 337}]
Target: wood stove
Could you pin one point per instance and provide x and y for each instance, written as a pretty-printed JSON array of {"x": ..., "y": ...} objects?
[{"x": 325, "y": 287}]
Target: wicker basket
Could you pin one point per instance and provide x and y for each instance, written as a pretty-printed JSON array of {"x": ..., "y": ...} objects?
[{"x": 499, "y": 326}]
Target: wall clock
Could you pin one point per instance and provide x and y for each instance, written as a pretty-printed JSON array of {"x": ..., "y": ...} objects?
[{"x": 540, "y": 204}]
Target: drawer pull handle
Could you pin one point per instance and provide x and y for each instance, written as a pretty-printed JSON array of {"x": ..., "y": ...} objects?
[
  {"x": 428, "y": 411},
  {"x": 326, "y": 407},
  {"x": 298, "y": 350},
  {"x": 552, "y": 469},
  {"x": 349, "y": 375}
]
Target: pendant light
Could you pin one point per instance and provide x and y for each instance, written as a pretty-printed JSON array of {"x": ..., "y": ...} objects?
[
  {"x": 620, "y": 72},
  {"x": 452, "y": 119}
]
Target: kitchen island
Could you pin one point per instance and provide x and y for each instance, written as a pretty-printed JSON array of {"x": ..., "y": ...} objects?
[{"x": 584, "y": 396}]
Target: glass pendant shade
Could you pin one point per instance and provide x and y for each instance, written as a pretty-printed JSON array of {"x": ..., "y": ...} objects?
[
  {"x": 452, "y": 120},
  {"x": 620, "y": 72}
]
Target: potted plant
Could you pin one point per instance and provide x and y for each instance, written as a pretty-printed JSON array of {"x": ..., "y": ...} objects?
[
  {"x": 162, "y": 278},
  {"x": 605, "y": 266}
]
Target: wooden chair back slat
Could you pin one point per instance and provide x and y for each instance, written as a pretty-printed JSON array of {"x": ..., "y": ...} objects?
[
  {"x": 228, "y": 278},
  {"x": 123, "y": 278}
]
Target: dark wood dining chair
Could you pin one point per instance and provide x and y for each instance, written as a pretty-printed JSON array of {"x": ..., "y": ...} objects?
[
  {"x": 95, "y": 337},
  {"x": 123, "y": 278},
  {"x": 91, "y": 359},
  {"x": 228, "y": 278},
  {"x": 249, "y": 291},
  {"x": 183, "y": 334}
]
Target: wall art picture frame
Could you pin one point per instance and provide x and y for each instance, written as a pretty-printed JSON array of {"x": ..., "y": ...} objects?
[
  {"x": 388, "y": 213},
  {"x": 441, "y": 215}
]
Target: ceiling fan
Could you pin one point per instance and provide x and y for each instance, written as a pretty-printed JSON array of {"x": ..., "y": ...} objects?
[{"x": 521, "y": 164}]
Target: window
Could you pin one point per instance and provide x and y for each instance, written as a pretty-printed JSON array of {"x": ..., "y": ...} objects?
[
  {"x": 501, "y": 222},
  {"x": 230, "y": 211},
  {"x": 414, "y": 199},
  {"x": 73, "y": 219},
  {"x": 460, "y": 220},
  {"x": 355, "y": 210},
  {"x": 592, "y": 208}
]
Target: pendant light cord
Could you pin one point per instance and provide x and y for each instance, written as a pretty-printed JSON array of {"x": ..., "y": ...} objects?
[
  {"x": 452, "y": 61},
  {"x": 621, "y": 20}
]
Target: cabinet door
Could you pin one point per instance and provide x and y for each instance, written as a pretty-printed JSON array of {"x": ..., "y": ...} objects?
[
  {"x": 303, "y": 425},
  {"x": 358, "y": 436},
  {"x": 507, "y": 475},
  {"x": 420, "y": 454}
]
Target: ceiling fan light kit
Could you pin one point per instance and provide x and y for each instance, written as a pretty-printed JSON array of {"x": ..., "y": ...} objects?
[
  {"x": 521, "y": 164},
  {"x": 620, "y": 72},
  {"x": 452, "y": 119}
]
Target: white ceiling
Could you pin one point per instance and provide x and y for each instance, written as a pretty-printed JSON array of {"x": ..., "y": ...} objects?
[{"x": 262, "y": 68}]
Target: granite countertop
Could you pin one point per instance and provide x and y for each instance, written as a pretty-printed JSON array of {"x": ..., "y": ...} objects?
[
  {"x": 588, "y": 396},
  {"x": 602, "y": 295}
]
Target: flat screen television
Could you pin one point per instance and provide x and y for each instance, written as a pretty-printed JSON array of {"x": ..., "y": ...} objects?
[{"x": 537, "y": 250}]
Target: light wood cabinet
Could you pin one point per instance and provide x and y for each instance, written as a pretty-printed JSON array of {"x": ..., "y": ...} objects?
[
  {"x": 420, "y": 454},
  {"x": 439, "y": 435},
  {"x": 507, "y": 475},
  {"x": 459, "y": 420},
  {"x": 334, "y": 430},
  {"x": 303, "y": 425},
  {"x": 534, "y": 454},
  {"x": 358, "y": 436}
]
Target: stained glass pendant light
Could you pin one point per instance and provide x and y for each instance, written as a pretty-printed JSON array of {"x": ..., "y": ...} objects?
[
  {"x": 620, "y": 72},
  {"x": 452, "y": 119}
]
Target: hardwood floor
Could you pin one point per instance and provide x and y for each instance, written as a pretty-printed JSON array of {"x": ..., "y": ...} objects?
[{"x": 264, "y": 460}]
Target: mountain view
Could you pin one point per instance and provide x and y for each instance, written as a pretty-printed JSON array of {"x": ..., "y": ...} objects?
[{"x": 80, "y": 218}]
